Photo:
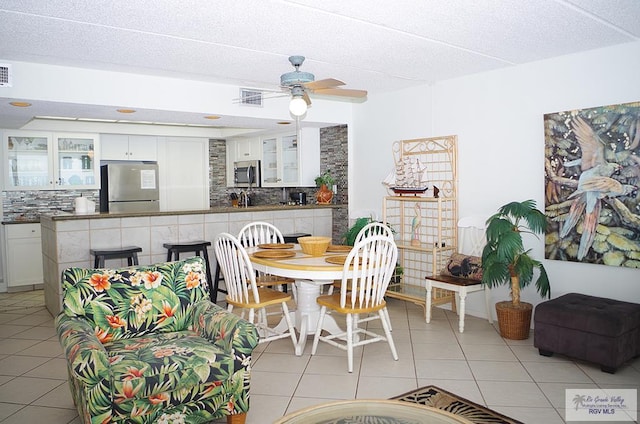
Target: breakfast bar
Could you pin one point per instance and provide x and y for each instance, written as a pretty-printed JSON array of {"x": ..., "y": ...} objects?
[{"x": 68, "y": 238}]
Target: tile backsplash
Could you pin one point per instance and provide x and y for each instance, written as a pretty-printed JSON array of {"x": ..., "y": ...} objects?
[{"x": 28, "y": 205}]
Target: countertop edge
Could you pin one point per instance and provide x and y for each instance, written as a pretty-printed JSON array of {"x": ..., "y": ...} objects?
[{"x": 66, "y": 216}]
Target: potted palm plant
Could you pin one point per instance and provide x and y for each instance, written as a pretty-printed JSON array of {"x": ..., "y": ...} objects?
[{"x": 505, "y": 261}]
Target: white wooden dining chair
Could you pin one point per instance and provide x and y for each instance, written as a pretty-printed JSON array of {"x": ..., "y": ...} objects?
[
  {"x": 259, "y": 232},
  {"x": 371, "y": 229},
  {"x": 367, "y": 272},
  {"x": 374, "y": 229},
  {"x": 256, "y": 233},
  {"x": 244, "y": 293}
]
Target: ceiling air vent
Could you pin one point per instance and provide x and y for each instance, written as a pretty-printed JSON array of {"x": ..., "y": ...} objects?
[
  {"x": 5, "y": 75},
  {"x": 250, "y": 97}
]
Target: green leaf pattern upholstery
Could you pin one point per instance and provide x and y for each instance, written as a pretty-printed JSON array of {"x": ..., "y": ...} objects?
[{"x": 144, "y": 345}]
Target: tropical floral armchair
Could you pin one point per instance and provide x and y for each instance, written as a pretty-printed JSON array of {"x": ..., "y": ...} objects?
[{"x": 145, "y": 345}]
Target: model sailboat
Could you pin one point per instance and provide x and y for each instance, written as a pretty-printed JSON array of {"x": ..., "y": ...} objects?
[{"x": 408, "y": 177}]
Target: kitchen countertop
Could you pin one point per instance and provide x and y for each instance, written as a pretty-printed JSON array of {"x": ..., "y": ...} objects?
[
  {"x": 65, "y": 216},
  {"x": 21, "y": 221}
]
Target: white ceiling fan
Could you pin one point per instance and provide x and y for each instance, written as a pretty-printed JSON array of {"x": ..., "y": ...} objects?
[{"x": 301, "y": 84}]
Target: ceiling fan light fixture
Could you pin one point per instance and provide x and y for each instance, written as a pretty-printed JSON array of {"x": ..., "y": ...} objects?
[{"x": 298, "y": 106}]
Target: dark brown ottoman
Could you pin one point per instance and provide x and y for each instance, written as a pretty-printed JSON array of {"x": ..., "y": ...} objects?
[{"x": 594, "y": 329}]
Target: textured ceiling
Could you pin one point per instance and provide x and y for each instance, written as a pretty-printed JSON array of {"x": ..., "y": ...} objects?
[{"x": 372, "y": 45}]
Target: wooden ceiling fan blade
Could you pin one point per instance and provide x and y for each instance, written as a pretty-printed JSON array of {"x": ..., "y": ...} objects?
[
  {"x": 306, "y": 98},
  {"x": 344, "y": 92},
  {"x": 323, "y": 83}
]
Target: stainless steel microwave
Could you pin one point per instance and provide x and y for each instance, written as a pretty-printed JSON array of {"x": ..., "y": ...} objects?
[{"x": 246, "y": 173}]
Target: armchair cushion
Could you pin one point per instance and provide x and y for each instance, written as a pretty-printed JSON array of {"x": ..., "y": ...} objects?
[
  {"x": 132, "y": 302},
  {"x": 146, "y": 345}
]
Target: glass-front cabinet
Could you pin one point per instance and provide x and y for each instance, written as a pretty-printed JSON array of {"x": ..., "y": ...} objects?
[
  {"x": 270, "y": 162},
  {"x": 46, "y": 161},
  {"x": 28, "y": 165},
  {"x": 291, "y": 160},
  {"x": 289, "y": 155},
  {"x": 280, "y": 161},
  {"x": 76, "y": 163}
]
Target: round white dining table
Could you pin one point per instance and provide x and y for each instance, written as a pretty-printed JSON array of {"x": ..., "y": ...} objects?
[{"x": 310, "y": 274}]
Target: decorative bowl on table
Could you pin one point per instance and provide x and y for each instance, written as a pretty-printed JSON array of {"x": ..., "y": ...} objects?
[{"x": 314, "y": 245}]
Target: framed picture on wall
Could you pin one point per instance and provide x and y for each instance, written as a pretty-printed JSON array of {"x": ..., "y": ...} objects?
[{"x": 592, "y": 176}]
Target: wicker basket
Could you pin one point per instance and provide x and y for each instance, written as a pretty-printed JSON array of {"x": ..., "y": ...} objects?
[
  {"x": 313, "y": 245},
  {"x": 514, "y": 323}
]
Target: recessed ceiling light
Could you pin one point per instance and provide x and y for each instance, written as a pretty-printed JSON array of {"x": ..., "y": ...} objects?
[
  {"x": 212, "y": 117},
  {"x": 126, "y": 110},
  {"x": 284, "y": 123},
  {"x": 20, "y": 104}
]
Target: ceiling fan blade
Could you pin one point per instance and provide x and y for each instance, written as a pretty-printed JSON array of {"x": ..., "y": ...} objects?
[
  {"x": 344, "y": 92},
  {"x": 324, "y": 83},
  {"x": 306, "y": 98}
]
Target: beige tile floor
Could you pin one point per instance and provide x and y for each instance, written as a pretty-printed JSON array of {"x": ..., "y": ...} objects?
[{"x": 508, "y": 376}]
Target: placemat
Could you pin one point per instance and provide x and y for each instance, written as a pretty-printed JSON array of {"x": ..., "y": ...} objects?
[
  {"x": 274, "y": 254},
  {"x": 339, "y": 259},
  {"x": 276, "y": 246}
]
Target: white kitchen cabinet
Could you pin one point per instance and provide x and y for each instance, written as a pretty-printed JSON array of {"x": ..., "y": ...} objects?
[
  {"x": 290, "y": 160},
  {"x": 24, "y": 255},
  {"x": 129, "y": 147},
  {"x": 247, "y": 149},
  {"x": 309, "y": 156},
  {"x": 183, "y": 166},
  {"x": 44, "y": 161}
]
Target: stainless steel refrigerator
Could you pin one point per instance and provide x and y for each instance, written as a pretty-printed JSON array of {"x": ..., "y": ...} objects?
[{"x": 129, "y": 186}]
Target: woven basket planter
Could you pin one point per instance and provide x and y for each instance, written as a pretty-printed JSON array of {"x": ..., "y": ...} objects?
[{"x": 514, "y": 323}]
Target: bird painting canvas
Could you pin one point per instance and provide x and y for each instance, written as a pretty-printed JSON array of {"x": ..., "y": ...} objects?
[{"x": 592, "y": 175}]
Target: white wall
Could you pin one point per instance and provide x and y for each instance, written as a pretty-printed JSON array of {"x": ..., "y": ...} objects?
[
  {"x": 498, "y": 117},
  {"x": 377, "y": 123}
]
